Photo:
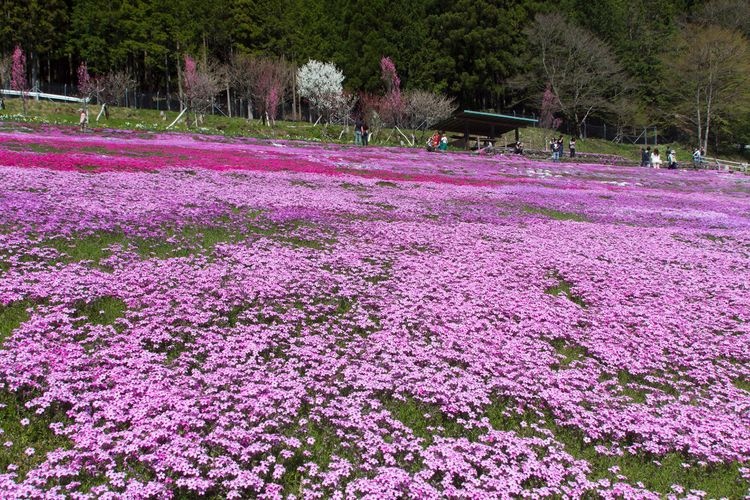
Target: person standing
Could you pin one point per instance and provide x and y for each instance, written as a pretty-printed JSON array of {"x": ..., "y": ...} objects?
[
  {"x": 672, "y": 160},
  {"x": 646, "y": 157},
  {"x": 443, "y": 147},
  {"x": 572, "y": 146},
  {"x": 555, "y": 152},
  {"x": 560, "y": 147},
  {"x": 365, "y": 133},
  {"x": 84, "y": 120},
  {"x": 358, "y": 132},
  {"x": 655, "y": 159}
]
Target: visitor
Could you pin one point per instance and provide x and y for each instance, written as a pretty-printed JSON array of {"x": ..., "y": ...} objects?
[
  {"x": 518, "y": 148},
  {"x": 433, "y": 142},
  {"x": 555, "y": 151},
  {"x": 365, "y": 133},
  {"x": 572, "y": 146},
  {"x": 672, "y": 160},
  {"x": 358, "y": 132},
  {"x": 646, "y": 157},
  {"x": 84, "y": 120},
  {"x": 560, "y": 147},
  {"x": 443, "y": 146},
  {"x": 697, "y": 158},
  {"x": 655, "y": 159}
]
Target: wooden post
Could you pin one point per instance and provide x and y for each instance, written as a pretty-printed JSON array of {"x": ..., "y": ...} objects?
[
  {"x": 466, "y": 137},
  {"x": 517, "y": 138}
]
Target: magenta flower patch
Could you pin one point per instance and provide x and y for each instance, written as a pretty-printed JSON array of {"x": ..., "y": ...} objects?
[{"x": 184, "y": 315}]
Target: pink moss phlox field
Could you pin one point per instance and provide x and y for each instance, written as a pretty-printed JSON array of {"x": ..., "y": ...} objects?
[{"x": 355, "y": 307}]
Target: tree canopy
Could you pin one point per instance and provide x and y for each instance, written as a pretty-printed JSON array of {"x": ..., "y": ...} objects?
[{"x": 477, "y": 52}]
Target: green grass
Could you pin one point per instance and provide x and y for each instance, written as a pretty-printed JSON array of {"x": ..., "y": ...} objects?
[
  {"x": 427, "y": 420},
  {"x": 35, "y": 434},
  {"x": 11, "y": 317},
  {"x": 101, "y": 311},
  {"x": 150, "y": 120},
  {"x": 564, "y": 287},
  {"x": 742, "y": 383},
  {"x": 569, "y": 352},
  {"x": 554, "y": 214},
  {"x": 717, "y": 480}
]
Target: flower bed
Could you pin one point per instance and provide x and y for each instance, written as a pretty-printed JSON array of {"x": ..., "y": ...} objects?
[{"x": 183, "y": 315}]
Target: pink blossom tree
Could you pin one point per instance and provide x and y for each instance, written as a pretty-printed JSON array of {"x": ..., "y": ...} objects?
[
  {"x": 86, "y": 85},
  {"x": 18, "y": 75},
  {"x": 392, "y": 105}
]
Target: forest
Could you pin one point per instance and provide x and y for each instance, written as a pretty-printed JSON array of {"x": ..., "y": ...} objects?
[{"x": 678, "y": 65}]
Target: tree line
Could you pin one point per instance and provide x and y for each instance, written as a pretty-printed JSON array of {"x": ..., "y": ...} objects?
[{"x": 679, "y": 64}]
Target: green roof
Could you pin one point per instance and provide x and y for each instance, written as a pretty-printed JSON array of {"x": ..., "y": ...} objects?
[{"x": 482, "y": 123}]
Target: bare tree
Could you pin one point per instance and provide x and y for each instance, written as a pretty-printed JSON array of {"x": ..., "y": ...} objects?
[
  {"x": 426, "y": 108},
  {"x": 712, "y": 64},
  {"x": 579, "y": 68},
  {"x": 200, "y": 87},
  {"x": 730, "y": 14},
  {"x": 110, "y": 89},
  {"x": 6, "y": 62},
  {"x": 241, "y": 72}
]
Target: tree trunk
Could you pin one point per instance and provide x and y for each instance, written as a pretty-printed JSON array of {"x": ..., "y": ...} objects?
[
  {"x": 179, "y": 78},
  {"x": 698, "y": 113},
  {"x": 709, "y": 99},
  {"x": 229, "y": 102}
]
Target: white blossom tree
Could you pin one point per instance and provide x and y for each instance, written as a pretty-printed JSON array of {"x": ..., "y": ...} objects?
[{"x": 322, "y": 84}]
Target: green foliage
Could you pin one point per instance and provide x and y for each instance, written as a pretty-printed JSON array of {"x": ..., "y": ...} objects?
[
  {"x": 27, "y": 437},
  {"x": 11, "y": 317},
  {"x": 554, "y": 214},
  {"x": 102, "y": 310}
]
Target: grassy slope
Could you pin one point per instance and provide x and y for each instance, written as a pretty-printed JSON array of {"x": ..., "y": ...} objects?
[{"x": 129, "y": 118}]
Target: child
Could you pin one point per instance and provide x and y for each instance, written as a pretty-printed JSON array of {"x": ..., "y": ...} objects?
[
  {"x": 433, "y": 142},
  {"x": 84, "y": 120},
  {"x": 443, "y": 146}
]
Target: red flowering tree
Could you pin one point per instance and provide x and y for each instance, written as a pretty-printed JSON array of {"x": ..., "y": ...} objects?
[
  {"x": 18, "y": 75},
  {"x": 392, "y": 105}
]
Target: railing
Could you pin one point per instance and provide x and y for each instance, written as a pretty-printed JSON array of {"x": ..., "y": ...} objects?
[
  {"x": 42, "y": 95},
  {"x": 719, "y": 164}
]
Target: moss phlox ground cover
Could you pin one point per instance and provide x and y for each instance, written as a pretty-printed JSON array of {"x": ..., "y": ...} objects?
[{"x": 183, "y": 315}]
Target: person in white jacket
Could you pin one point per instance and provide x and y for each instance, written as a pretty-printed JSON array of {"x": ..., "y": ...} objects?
[{"x": 655, "y": 159}]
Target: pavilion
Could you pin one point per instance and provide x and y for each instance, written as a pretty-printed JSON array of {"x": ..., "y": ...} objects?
[{"x": 482, "y": 124}]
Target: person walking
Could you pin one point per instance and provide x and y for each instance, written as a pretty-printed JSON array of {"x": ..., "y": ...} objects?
[{"x": 572, "y": 147}]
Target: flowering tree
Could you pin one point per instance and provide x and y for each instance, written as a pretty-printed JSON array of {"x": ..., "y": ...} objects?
[
  {"x": 392, "y": 106},
  {"x": 200, "y": 87},
  {"x": 86, "y": 84},
  {"x": 549, "y": 106},
  {"x": 322, "y": 84},
  {"x": 18, "y": 75}
]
